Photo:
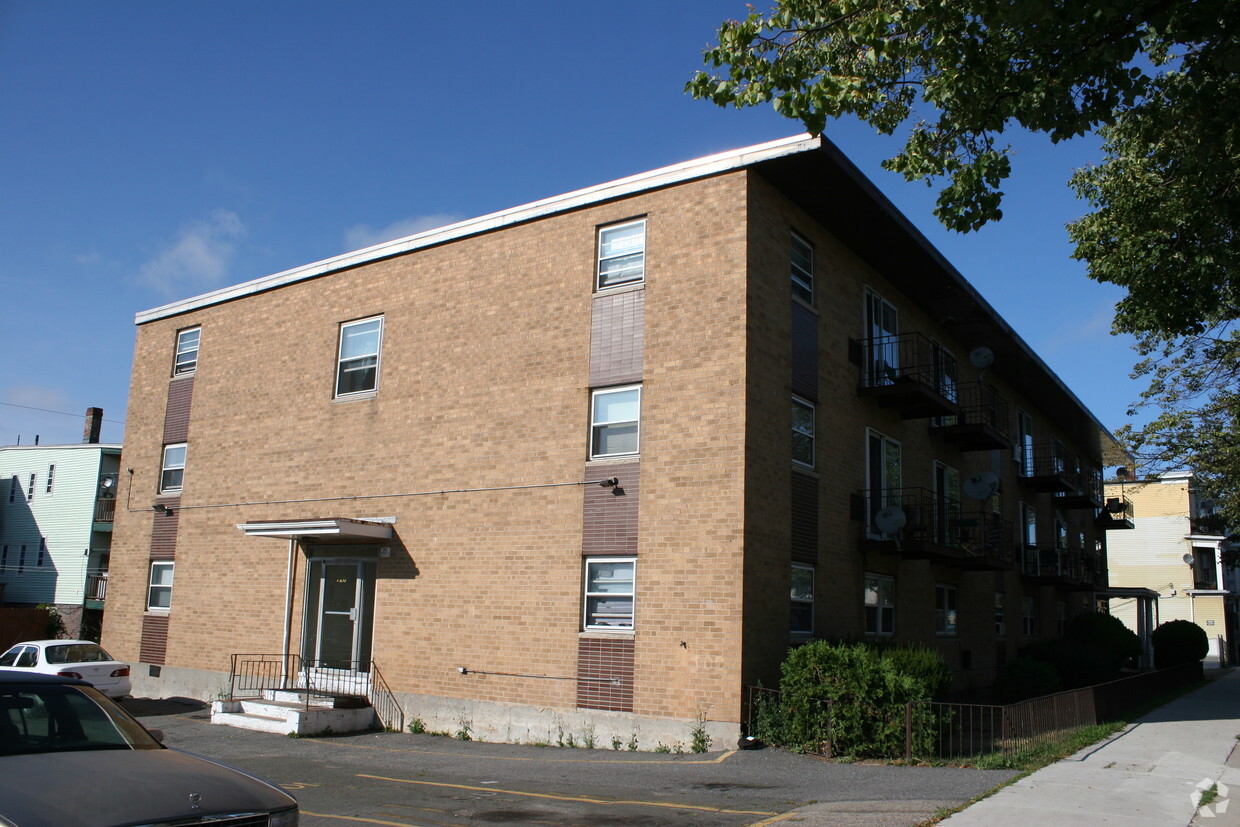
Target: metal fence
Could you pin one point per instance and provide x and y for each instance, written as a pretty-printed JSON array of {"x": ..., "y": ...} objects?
[
  {"x": 252, "y": 675},
  {"x": 934, "y": 730}
]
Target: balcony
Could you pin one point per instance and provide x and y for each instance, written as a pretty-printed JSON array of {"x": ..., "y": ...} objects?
[
  {"x": 105, "y": 512},
  {"x": 1048, "y": 468},
  {"x": 1050, "y": 565},
  {"x": 983, "y": 421},
  {"x": 916, "y": 523},
  {"x": 97, "y": 586},
  {"x": 1117, "y": 514},
  {"x": 908, "y": 373},
  {"x": 1088, "y": 490}
]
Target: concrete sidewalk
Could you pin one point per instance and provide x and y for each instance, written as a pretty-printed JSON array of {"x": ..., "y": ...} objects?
[{"x": 1144, "y": 775}]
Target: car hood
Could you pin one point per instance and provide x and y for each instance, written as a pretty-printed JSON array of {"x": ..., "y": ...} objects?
[{"x": 121, "y": 787}]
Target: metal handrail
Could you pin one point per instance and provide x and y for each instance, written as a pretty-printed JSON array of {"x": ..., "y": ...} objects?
[{"x": 251, "y": 675}]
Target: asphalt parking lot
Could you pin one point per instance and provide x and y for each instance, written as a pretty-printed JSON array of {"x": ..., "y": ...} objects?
[{"x": 401, "y": 779}]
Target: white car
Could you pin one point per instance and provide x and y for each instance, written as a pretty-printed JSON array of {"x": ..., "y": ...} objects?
[{"x": 81, "y": 659}]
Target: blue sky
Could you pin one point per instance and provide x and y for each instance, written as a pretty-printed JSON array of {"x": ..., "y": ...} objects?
[{"x": 151, "y": 151}]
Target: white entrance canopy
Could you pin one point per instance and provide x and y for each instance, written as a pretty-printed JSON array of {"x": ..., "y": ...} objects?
[{"x": 340, "y": 529}]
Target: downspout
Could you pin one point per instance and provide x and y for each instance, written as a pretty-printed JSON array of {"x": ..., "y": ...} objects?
[{"x": 288, "y": 612}]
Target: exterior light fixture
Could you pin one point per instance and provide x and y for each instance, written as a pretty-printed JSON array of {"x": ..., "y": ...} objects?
[{"x": 610, "y": 482}]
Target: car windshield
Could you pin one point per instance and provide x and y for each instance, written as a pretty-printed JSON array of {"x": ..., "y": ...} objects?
[
  {"x": 75, "y": 653},
  {"x": 59, "y": 718}
]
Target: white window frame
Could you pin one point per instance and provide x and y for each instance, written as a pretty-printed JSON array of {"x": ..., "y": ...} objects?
[
  {"x": 51, "y": 476},
  {"x": 588, "y": 596},
  {"x": 358, "y": 361},
  {"x": 603, "y": 256},
  {"x": 171, "y": 467},
  {"x": 597, "y": 426},
  {"x": 800, "y": 601},
  {"x": 183, "y": 363},
  {"x": 798, "y": 402},
  {"x": 946, "y": 610},
  {"x": 42, "y": 552},
  {"x": 802, "y": 274},
  {"x": 165, "y": 588},
  {"x": 877, "y": 489},
  {"x": 30, "y": 488},
  {"x": 881, "y": 611}
]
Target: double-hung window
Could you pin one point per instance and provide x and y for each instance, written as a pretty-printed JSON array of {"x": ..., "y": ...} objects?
[
  {"x": 51, "y": 476},
  {"x": 187, "y": 351},
  {"x": 880, "y": 605},
  {"x": 945, "y": 610},
  {"x": 173, "y": 471},
  {"x": 357, "y": 368},
  {"x": 802, "y": 599},
  {"x": 615, "y": 422},
  {"x": 802, "y": 269},
  {"x": 30, "y": 489},
  {"x": 802, "y": 432},
  {"x": 159, "y": 596},
  {"x": 609, "y": 592},
  {"x": 621, "y": 254}
]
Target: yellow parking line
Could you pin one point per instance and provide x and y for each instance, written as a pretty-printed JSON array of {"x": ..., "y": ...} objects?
[
  {"x": 358, "y": 818},
  {"x": 582, "y": 799}
]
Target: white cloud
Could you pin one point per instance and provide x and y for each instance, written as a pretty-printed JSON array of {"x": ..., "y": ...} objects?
[
  {"x": 198, "y": 259},
  {"x": 363, "y": 235}
]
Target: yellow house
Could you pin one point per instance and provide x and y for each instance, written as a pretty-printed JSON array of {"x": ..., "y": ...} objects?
[{"x": 1175, "y": 551}]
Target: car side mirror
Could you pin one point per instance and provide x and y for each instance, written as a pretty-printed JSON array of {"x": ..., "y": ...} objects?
[{"x": 157, "y": 734}]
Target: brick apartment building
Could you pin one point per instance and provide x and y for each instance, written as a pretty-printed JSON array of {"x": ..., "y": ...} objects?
[{"x": 593, "y": 463}]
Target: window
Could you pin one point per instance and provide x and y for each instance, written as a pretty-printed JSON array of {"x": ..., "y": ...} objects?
[
  {"x": 1029, "y": 616},
  {"x": 30, "y": 489},
  {"x": 357, "y": 370},
  {"x": 4, "y": 557},
  {"x": 802, "y": 269},
  {"x": 13, "y": 486},
  {"x": 1023, "y": 450},
  {"x": 615, "y": 421},
  {"x": 42, "y": 551},
  {"x": 883, "y": 330},
  {"x": 159, "y": 598},
  {"x": 609, "y": 593},
  {"x": 802, "y": 432},
  {"x": 802, "y": 599},
  {"x": 173, "y": 468},
  {"x": 21, "y": 560},
  {"x": 883, "y": 473},
  {"x": 880, "y": 605},
  {"x": 947, "y": 516},
  {"x": 945, "y": 374},
  {"x": 945, "y": 610},
  {"x": 1029, "y": 537},
  {"x": 187, "y": 351},
  {"x": 51, "y": 475},
  {"x": 1000, "y": 617},
  {"x": 621, "y": 254}
]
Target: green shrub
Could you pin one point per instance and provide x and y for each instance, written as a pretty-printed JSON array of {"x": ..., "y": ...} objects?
[
  {"x": 1024, "y": 678},
  {"x": 1106, "y": 632},
  {"x": 1179, "y": 641},
  {"x": 851, "y": 695},
  {"x": 1078, "y": 662}
]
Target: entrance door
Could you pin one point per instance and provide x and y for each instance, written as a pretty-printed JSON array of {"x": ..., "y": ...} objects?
[{"x": 339, "y": 599}]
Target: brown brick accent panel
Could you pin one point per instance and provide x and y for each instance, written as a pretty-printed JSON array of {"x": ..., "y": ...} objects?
[
  {"x": 154, "y": 639},
  {"x": 609, "y": 521},
  {"x": 804, "y": 518},
  {"x": 804, "y": 352},
  {"x": 605, "y": 674},
  {"x": 176, "y": 416},
  {"x": 164, "y": 531},
  {"x": 616, "y": 329}
]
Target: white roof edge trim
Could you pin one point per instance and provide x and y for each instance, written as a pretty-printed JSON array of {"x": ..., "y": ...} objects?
[
  {"x": 341, "y": 526},
  {"x": 684, "y": 171}
]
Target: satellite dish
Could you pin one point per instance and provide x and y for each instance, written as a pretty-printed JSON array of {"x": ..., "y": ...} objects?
[
  {"x": 107, "y": 486},
  {"x": 890, "y": 520},
  {"x": 981, "y": 357},
  {"x": 1188, "y": 559},
  {"x": 981, "y": 486}
]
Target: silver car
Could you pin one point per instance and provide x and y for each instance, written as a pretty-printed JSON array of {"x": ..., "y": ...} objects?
[{"x": 70, "y": 757}]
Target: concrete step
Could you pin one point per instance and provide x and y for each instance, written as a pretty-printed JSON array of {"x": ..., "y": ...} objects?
[{"x": 289, "y": 718}]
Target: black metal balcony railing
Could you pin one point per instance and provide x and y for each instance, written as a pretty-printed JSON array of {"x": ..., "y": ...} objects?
[
  {"x": 1117, "y": 513},
  {"x": 105, "y": 510},
  {"x": 1051, "y": 564},
  {"x": 910, "y": 373},
  {"x": 920, "y": 523},
  {"x": 1048, "y": 467},
  {"x": 983, "y": 422},
  {"x": 1087, "y": 481}
]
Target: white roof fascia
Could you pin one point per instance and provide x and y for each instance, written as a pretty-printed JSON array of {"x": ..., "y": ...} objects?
[
  {"x": 654, "y": 179},
  {"x": 341, "y": 527}
]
